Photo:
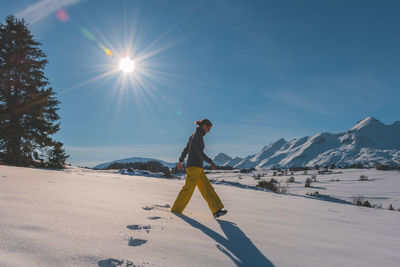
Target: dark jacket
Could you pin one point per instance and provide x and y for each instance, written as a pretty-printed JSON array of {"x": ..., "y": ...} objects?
[{"x": 195, "y": 148}]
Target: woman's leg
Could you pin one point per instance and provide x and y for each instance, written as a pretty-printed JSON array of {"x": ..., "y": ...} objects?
[
  {"x": 208, "y": 193},
  {"x": 192, "y": 175}
]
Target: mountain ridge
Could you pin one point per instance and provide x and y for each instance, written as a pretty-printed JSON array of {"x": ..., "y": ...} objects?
[{"x": 369, "y": 141}]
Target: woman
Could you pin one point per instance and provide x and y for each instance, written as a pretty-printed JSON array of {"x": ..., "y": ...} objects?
[{"x": 195, "y": 173}]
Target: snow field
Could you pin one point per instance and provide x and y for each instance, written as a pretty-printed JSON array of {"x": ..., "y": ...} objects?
[{"x": 81, "y": 217}]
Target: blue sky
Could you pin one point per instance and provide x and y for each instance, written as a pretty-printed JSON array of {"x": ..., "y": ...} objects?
[{"x": 259, "y": 70}]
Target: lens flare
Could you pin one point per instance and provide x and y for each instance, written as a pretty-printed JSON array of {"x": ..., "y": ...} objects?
[
  {"x": 108, "y": 52},
  {"x": 62, "y": 15},
  {"x": 90, "y": 36},
  {"x": 105, "y": 49}
]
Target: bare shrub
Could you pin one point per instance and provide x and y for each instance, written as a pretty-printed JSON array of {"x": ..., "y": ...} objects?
[
  {"x": 247, "y": 170},
  {"x": 270, "y": 185},
  {"x": 167, "y": 173},
  {"x": 367, "y": 204},
  {"x": 257, "y": 176},
  {"x": 363, "y": 178},
  {"x": 282, "y": 188},
  {"x": 313, "y": 178},
  {"x": 358, "y": 200},
  {"x": 315, "y": 194},
  {"x": 290, "y": 179}
]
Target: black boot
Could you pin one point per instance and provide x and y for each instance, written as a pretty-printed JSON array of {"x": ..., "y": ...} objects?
[{"x": 219, "y": 213}]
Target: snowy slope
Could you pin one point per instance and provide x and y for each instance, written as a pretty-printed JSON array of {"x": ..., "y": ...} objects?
[
  {"x": 233, "y": 162},
  {"x": 134, "y": 159},
  {"x": 81, "y": 217},
  {"x": 368, "y": 142}
]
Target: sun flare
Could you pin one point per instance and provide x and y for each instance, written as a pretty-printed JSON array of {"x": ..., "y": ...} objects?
[{"x": 126, "y": 65}]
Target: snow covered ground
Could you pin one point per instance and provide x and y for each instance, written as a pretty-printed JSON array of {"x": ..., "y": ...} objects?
[
  {"x": 81, "y": 217},
  {"x": 380, "y": 188}
]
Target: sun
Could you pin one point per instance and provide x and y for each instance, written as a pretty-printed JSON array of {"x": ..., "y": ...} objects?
[{"x": 126, "y": 65}]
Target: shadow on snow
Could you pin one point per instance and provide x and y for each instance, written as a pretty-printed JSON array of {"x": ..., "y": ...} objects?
[{"x": 237, "y": 246}]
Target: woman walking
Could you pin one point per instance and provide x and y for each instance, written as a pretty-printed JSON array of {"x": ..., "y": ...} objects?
[{"x": 195, "y": 173}]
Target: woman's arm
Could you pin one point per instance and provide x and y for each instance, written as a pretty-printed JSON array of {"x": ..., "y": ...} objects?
[{"x": 185, "y": 150}]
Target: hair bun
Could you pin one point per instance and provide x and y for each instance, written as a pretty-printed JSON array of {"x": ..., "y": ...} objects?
[{"x": 203, "y": 122}]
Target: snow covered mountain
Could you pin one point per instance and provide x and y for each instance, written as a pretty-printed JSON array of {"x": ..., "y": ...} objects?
[
  {"x": 368, "y": 142},
  {"x": 221, "y": 159},
  {"x": 134, "y": 159}
]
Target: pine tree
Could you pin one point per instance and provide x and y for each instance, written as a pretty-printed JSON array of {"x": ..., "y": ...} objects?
[
  {"x": 57, "y": 156},
  {"x": 28, "y": 107}
]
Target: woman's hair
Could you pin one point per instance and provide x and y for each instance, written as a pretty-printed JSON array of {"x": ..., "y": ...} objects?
[{"x": 203, "y": 122}]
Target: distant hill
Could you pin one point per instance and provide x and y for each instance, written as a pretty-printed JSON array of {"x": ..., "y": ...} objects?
[
  {"x": 368, "y": 142},
  {"x": 134, "y": 159}
]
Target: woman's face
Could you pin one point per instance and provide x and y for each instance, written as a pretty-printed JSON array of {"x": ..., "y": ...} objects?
[{"x": 206, "y": 128}]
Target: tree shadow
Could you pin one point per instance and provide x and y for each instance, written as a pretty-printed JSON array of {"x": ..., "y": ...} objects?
[
  {"x": 239, "y": 185},
  {"x": 326, "y": 198},
  {"x": 237, "y": 246},
  {"x": 318, "y": 187}
]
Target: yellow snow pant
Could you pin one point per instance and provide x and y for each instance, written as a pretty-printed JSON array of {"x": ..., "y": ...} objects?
[{"x": 196, "y": 176}]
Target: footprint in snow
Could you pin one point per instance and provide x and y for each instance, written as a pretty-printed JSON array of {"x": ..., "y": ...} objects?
[
  {"x": 135, "y": 242},
  {"x": 114, "y": 262},
  {"x": 139, "y": 227},
  {"x": 154, "y": 218},
  {"x": 165, "y": 207}
]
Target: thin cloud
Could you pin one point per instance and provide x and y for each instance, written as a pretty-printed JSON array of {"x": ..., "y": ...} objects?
[
  {"x": 335, "y": 95},
  {"x": 302, "y": 102},
  {"x": 41, "y": 9}
]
